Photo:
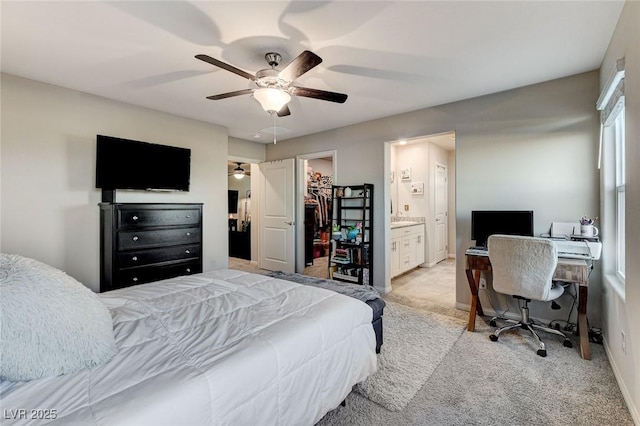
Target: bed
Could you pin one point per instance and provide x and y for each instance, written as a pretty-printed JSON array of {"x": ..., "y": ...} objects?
[{"x": 221, "y": 347}]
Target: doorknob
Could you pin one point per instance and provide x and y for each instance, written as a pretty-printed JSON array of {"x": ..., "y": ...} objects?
[{"x": 290, "y": 223}]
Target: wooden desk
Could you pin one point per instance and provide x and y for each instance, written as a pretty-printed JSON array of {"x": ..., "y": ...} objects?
[{"x": 568, "y": 270}]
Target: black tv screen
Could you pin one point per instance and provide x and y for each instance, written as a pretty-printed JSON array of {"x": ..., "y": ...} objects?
[
  {"x": 129, "y": 164},
  {"x": 233, "y": 201},
  {"x": 509, "y": 222}
]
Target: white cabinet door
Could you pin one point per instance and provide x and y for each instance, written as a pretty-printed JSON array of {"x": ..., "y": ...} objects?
[
  {"x": 406, "y": 253},
  {"x": 407, "y": 249},
  {"x": 395, "y": 257},
  {"x": 418, "y": 237}
]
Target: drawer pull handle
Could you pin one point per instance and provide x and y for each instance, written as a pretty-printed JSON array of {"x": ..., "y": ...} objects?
[
  {"x": 135, "y": 218},
  {"x": 135, "y": 238},
  {"x": 188, "y": 234},
  {"x": 188, "y": 269},
  {"x": 135, "y": 279},
  {"x": 134, "y": 258},
  {"x": 188, "y": 216},
  {"x": 187, "y": 251}
]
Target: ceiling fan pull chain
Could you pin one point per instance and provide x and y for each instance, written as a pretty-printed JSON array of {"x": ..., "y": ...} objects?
[{"x": 274, "y": 127}]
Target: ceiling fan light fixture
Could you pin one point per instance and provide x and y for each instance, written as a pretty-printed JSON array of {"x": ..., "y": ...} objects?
[
  {"x": 238, "y": 173},
  {"x": 272, "y": 100}
]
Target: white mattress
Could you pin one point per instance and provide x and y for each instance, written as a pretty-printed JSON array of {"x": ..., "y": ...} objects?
[{"x": 223, "y": 347}]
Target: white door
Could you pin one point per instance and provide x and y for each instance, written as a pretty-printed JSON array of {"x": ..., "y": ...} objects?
[
  {"x": 277, "y": 212},
  {"x": 441, "y": 212}
]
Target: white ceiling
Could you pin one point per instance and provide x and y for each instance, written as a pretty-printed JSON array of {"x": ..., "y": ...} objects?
[{"x": 389, "y": 57}]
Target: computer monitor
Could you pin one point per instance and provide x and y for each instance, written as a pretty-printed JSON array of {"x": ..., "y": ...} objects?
[{"x": 509, "y": 222}]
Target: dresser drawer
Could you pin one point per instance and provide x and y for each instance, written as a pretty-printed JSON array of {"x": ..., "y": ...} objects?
[
  {"x": 134, "y": 276},
  {"x": 151, "y": 217},
  {"x": 135, "y": 258},
  {"x": 130, "y": 240}
]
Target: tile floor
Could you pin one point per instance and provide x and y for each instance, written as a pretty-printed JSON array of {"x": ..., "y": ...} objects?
[{"x": 436, "y": 284}]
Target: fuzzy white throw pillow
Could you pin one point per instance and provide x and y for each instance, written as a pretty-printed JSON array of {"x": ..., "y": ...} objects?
[{"x": 50, "y": 324}]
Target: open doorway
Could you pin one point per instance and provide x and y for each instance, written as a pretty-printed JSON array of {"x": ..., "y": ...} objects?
[
  {"x": 422, "y": 192},
  {"x": 316, "y": 175},
  {"x": 240, "y": 210}
]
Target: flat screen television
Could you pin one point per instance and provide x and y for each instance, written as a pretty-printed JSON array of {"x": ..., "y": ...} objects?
[
  {"x": 233, "y": 201},
  {"x": 129, "y": 164},
  {"x": 509, "y": 222}
]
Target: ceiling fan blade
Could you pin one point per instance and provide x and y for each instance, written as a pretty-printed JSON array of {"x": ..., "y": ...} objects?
[
  {"x": 301, "y": 64},
  {"x": 226, "y": 66},
  {"x": 284, "y": 111},
  {"x": 318, "y": 94},
  {"x": 230, "y": 94}
]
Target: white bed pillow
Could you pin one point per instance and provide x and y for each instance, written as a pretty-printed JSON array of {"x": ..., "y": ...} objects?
[{"x": 50, "y": 324}]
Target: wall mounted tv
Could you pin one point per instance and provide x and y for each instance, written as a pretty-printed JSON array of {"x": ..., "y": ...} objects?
[
  {"x": 509, "y": 222},
  {"x": 129, "y": 164},
  {"x": 233, "y": 201}
]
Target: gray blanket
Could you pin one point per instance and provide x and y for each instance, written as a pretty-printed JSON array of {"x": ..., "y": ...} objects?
[{"x": 357, "y": 291}]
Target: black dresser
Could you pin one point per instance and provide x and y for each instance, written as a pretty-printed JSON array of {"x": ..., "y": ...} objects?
[{"x": 140, "y": 243}]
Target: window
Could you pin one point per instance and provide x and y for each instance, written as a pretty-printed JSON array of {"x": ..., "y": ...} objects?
[
  {"x": 612, "y": 106},
  {"x": 618, "y": 132}
]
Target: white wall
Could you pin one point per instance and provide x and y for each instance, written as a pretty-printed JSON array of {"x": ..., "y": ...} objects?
[
  {"x": 622, "y": 313},
  {"x": 534, "y": 147},
  {"x": 451, "y": 171},
  {"x": 49, "y": 201},
  {"x": 414, "y": 156},
  {"x": 246, "y": 151}
]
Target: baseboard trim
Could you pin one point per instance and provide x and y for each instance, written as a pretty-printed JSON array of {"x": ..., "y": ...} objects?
[{"x": 633, "y": 410}]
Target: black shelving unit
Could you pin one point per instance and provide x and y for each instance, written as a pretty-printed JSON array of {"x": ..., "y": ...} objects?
[{"x": 351, "y": 254}]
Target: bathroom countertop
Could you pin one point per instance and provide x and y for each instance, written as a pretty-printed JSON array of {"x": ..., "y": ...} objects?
[{"x": 402, "y": 224}]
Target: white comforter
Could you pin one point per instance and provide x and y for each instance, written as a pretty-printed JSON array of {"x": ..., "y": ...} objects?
[{"x": 223, "y": 347}]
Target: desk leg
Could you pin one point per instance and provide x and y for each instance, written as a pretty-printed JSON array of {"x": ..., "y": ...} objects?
[
  {"x": 476, "y": 307},
  {"x": 476, "y": 280},
  {"x": 583, "y": 329}
]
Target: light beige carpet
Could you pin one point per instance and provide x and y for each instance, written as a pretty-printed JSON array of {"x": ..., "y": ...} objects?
[
  {"x": 415, "y": 342},
  {"x": 480, "y": 382}
]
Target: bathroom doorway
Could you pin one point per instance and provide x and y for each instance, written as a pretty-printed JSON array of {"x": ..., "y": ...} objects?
[{"x": 422, "y": 192}]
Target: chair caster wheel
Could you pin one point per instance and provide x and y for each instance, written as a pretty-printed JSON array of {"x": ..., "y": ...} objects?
[
  {"x": 492, "y": 323},
  {"x": 567, "y": 343},
  {"x": 493, "y": 337},
  {"x": 542, "y": 352}
]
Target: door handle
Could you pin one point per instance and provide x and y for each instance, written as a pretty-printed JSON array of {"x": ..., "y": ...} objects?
[{"x": 290, "y": 223}]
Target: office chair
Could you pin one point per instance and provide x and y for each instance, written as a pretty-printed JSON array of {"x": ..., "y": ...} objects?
[{"x": 523, "y": 267}]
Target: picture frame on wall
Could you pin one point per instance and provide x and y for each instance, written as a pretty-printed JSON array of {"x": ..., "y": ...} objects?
[
  {"x": 417, "y": 188},
  {"x": 405, "y": 174}
]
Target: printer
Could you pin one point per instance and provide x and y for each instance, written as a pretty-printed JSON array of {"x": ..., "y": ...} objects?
[
  {"x": 588, "y": 250},
  {"x": 570, "y": 244}
]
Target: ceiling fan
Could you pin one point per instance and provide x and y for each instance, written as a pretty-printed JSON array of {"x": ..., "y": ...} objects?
[
  {"x": 239, "y": 173},
  {"x": 274, "y": 88}
]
